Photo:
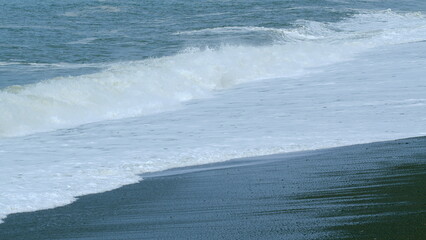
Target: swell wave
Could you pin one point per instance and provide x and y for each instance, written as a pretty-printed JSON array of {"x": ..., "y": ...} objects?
[
  {"x": 150, "y": 86},
  {"x": 59, "y": 65},
  {"x": 378, "y": 24}
]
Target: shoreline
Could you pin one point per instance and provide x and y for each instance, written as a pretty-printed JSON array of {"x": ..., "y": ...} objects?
[{"x": 363, "y": 191}]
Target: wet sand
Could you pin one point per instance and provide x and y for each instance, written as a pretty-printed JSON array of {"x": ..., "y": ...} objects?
[{"x": 369, "y": 191}]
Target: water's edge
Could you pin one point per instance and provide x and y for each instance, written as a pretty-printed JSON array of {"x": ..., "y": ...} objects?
[{"x": 323, "y": 190}]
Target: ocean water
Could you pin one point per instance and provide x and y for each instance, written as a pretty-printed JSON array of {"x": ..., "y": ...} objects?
[{"x": 94, "y": 93}]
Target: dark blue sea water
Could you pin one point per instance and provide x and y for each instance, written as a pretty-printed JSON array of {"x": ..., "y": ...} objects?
[{"x": 94, "y": 93}]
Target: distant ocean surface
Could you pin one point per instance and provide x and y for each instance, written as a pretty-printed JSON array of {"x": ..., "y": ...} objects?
[{"x": 94, "y": 93}]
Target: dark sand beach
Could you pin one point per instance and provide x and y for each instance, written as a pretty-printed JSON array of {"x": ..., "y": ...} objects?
[{"x": 369, "y": 191}]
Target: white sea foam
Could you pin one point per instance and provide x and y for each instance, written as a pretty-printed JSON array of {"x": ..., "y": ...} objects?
[
  {"x": 151, "y": 86},
  {"x": 92, "y": 10},
  {"x": 234, "y": 29},
  {"x": 71, "y": 14},
  {"x": 107, "y": 8},
  {"x": 155, "y": 85},
  {"x": 376, "y": 26},
  {"x": 8, "y": 63},
  {"x": 56, "y": 65},
  {"x": 277, "y": 33},
  {"x": 83, "y": 41},
  {"x": 370, "y": 97},
  {"x": 14, "y": 26}
]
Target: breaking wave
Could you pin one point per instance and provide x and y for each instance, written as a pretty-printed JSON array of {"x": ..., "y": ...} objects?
[{"x": 154, "y": 85}]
